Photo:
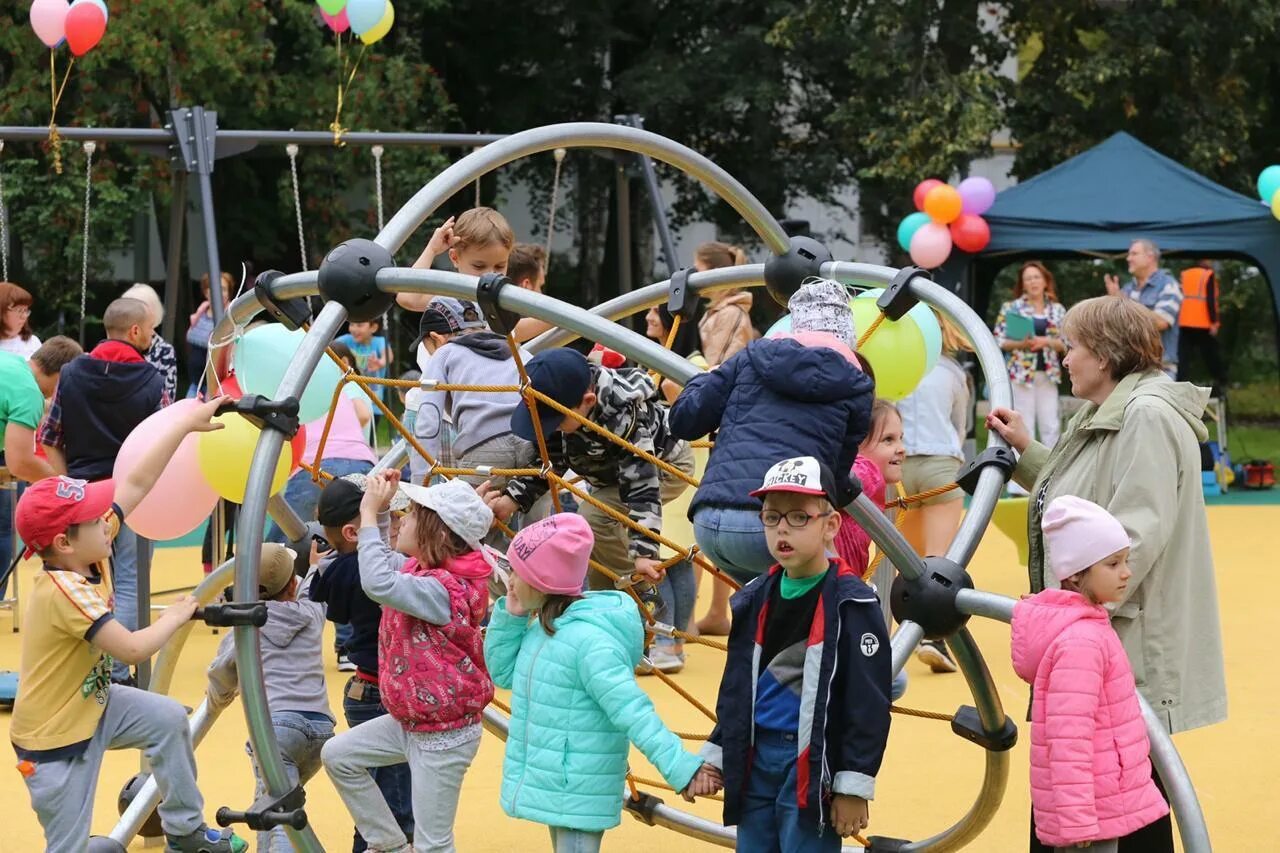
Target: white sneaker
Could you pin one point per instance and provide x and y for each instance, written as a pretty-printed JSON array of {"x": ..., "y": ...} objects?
[
  {"x": 665, "y": 661},
  {"x": 345, "y": 664},
  {"x": 935, "y": 655}
]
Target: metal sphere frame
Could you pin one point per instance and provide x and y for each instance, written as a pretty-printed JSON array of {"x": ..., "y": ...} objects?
[{"x": 598, "y": 325}]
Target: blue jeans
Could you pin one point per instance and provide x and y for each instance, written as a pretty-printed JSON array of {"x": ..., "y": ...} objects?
[
  {"x": 124, "y": 581},
  {"x": 678, "y": 590},
  {"x": 734, "y": 540},
  {"x": 8, "y": 501},
  {"x": 303, "y": 496},
  {"x": 771, "y": 821},
  {"x": 574, "y": 840},
  {"x": 300, "y": 738},
  {"x": 393, "y": 780}
]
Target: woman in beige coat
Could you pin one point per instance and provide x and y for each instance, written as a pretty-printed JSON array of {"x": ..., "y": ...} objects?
[
  {"x": 1133, "y": 448},
  {"x": 726, "y": 326}
]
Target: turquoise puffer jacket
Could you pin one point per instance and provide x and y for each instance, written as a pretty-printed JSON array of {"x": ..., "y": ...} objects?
[{"x": 575, "y": 705}]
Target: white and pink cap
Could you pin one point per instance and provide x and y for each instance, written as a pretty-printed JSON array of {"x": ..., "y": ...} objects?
[{"x": 801, "y": 475}]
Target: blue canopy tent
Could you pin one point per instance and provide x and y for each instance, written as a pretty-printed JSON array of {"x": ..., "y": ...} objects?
[{"x": 1099, "y": 201}]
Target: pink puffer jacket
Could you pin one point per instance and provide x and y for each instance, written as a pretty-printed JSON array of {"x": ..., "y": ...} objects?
[{"x": 1090, "y": 761}]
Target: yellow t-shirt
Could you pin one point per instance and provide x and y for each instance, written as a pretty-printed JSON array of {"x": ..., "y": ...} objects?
[{"x": 64, "y": 678}]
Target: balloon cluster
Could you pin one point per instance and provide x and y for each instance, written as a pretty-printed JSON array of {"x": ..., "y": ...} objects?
[
  {"x": 900, "y": 352},
  {"x": 946, "y": 216},
  {"x": 212, "y": 465},
  {"x": 1269, "y": 188},
  {"x": 371, "y": 20},
  {"x": 80, "y": 24}
]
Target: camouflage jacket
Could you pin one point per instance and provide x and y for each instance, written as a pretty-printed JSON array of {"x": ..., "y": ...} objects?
[{"x": 626, "y": 405}]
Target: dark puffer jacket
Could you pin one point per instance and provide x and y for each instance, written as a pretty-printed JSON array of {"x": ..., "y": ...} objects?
[{"x": 774, "y": 400}]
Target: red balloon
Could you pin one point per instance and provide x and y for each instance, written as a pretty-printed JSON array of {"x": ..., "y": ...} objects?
[
  {"x": 230, "y": 387},
  {"x": 922, "y": 190},
  {"x": 970, "y": 233},
  {"x": 85, "y": 26},
  {"x": 297, "y": 445}
]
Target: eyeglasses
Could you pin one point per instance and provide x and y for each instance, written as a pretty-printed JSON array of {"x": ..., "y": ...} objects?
[
  {"x": 796, "y": 519},
  {"x": 20, "y": 310}
]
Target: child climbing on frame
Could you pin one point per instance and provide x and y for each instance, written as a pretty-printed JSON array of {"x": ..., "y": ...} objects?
[
  {"x": 569, "y": 660},
  {"x": 68, "y": 713},
  {"x": 477, "y": 241},
  {"x": 431, "y": 665},
  {"x": 1091, "y": 777},
  {"x": 292, "y": 671},
  {"x": 802, "y": 725}
]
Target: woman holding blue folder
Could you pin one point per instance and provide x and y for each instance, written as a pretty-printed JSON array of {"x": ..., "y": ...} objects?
[{"x": 1029, "y": 330}]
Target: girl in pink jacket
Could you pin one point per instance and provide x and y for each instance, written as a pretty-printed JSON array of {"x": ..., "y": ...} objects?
[{"x": 1091, "y": 777}]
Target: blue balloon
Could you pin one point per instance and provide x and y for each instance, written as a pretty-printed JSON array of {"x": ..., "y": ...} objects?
[
  {"x": 1268, "y": 183},
  {"x": 261, "y": 358},
  {"x": 908, "y": 227},
  {"x": 364, "y": 15}
]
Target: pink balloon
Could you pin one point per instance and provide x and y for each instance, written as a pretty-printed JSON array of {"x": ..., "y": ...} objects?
[
  {"x": 930, "y": 245},
  {"x": 976, "y": 195},
  {"x": 49, "y": 20},
  {"x": 338, "y": 23},
  {"x": 821, "y": 339},
  {"x": 181, "y": 498}
]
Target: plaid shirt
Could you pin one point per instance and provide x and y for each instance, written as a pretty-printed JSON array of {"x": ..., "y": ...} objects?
[{"x": 1163, "y": 295}]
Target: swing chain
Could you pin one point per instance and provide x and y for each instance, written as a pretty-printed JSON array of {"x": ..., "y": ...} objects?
[
  {"x": 555, "y": 197},
  {"x": 4, "y": 228},
  {"x": 377, "y": 180},
  {"x": 292, "y": 150},
  {"x": 89, "y": 148}
]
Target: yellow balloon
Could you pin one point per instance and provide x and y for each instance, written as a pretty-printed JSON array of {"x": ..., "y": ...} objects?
[
  {"x": 896, "y": 350},
  {"x": 380, "y": 29},
  {"x": 226, "y": 454},
  {"x": 1275, "y": 205}
]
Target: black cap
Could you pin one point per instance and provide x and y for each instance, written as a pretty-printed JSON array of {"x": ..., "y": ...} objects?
[
  {"x": 448, "y": 316},
  {"x": 564, "y": 376},
  {"x": 339, "y": 503}
]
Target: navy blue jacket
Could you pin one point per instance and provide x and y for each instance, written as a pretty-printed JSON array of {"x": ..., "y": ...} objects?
[
  {"x": 338, "y": 587},
  {"x": 844, "y": 722},
  {"x": 101, "y": 403},
  {"x": 773, "y": 400}
]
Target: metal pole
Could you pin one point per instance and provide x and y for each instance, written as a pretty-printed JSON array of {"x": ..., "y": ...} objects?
[
  {"x": 660, "y": 215},
  {"x": 156, "y": 136},
  {"x": 201, "y": 133},
  {"x": 461, "y": 174},
  {"x": 622, "y": 210},
  {"x": 248, "y": 553},
  {"x": 144, "y": 551},
  {"x": 173, "y": 258}
]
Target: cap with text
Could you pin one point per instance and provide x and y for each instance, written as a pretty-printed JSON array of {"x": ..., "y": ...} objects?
[
  {"x": 50, "y": 506},
  {"x": 801, "y": 475}
]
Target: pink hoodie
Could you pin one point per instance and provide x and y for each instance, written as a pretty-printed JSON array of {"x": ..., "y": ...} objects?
[
  {"x": 853, "y": 544},
  {"x": 1090, "y": 762}
]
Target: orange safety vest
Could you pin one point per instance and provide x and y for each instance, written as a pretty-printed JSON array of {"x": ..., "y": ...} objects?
[{"x": 1195, "y": 298}]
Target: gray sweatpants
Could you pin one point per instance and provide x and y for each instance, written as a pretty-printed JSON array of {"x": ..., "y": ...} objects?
[
  {"x": 62, "y": 791},
  {"x": 436, "y": 783}
]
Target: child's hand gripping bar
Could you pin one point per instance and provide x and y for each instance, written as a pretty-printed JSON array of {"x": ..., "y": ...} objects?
[{"x": 230, "y": 615}]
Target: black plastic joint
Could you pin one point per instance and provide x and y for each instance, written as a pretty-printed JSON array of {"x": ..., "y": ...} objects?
[
  {"x": 1001, "y": 457},
  {"x": 682, "y": 302},
  {"x": 855, "y": 488},
  {"x": 500, "y": 320},
  {"x": 235, "y": 613},
  {"x": 265, "y": 413},
  {"x": 881, "y": 844},
  {"x": 785, "y": 273},
  {"x": 929, "y": 600},
  {"x": 643, "y": 807},
  {"x": 268, "y": 812},
  {"x": 897, "y": 298},
  {"x": 293, "y": 314},
  {"x": 968, "y": 725}
]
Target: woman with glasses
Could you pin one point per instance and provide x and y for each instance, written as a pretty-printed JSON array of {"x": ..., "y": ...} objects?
[{"x": 15, "y": 321}]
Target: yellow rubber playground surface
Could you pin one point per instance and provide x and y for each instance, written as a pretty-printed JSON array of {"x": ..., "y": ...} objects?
[{"x": 930, "y": 775}]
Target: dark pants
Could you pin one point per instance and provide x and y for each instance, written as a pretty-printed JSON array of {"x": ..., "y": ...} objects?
[
  {"x": 1153, "y": 838},
  {"x": 1201, "y": 341},
  {"x": 392, "y": 780},
  {"x": 230, "y": 512}
]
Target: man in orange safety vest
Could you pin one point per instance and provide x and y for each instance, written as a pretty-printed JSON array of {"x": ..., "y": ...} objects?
[{"x": 1199, "y": 321}]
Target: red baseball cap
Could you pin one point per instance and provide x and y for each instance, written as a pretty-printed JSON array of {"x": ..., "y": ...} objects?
[{"x": 48, "y": 507}]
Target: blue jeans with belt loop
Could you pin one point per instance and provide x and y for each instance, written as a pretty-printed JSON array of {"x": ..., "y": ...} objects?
[{"x": 771, "y": 821}]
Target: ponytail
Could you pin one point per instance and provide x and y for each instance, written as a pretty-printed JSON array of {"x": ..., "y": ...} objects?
[{"x": 715, "y": 255}]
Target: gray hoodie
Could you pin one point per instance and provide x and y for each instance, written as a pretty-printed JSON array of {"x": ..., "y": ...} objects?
[{"x": 480, "y": 358}]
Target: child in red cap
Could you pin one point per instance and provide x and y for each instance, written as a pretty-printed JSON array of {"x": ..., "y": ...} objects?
[
  {"x": 569, "y": 660},
  {"x": 68, "y": 713}
]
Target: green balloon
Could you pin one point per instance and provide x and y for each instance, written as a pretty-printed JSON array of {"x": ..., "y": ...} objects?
[{"x": 332, "y": 7}]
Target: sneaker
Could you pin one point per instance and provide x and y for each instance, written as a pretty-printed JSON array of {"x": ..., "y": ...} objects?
[
  {"x": 345, "y": 664},
  {"x": 665, "y": 661},
  {"x": 206, "y": 840},
  {"x": 937, "y": 657}
]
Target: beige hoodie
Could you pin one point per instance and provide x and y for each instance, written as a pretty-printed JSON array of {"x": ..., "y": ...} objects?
[
  {"x": 1138, "y": 455},
  {"x": 726, "y": 327}
]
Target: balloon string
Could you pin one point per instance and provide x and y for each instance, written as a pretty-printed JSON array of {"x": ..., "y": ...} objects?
[
  {"x": 336, "y": 126},
  {"x": 55, "y": 139},
  {"x": 356, "y": 67}
]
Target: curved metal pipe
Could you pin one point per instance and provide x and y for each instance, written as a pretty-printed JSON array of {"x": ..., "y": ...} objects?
[
  {"x": 1192, "y": 827},
  {"x": 580, "y": 135}
]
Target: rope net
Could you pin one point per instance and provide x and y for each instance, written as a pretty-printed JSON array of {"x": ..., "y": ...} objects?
[{"x": 558, "y": 484}]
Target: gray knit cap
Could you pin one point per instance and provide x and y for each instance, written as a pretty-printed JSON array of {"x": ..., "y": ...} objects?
[{"x": 822, "y": 305}]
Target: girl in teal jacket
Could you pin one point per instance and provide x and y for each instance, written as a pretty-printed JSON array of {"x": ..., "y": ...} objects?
[{"x": 569, "y": 660}]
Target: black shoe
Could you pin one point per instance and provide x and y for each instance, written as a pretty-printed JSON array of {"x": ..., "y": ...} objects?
[{"x": 935, "y": 654}]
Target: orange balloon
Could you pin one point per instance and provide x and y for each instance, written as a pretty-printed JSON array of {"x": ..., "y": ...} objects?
[{"x": 943, "y": 204}]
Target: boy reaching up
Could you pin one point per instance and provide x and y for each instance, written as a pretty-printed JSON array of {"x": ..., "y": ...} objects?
[{"x": 68, "y": 713}]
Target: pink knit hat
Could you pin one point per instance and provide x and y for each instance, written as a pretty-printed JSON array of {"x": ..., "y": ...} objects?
[
  {"x": 1079, "y": 534},
  {"x": 551, "y": 556}
]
